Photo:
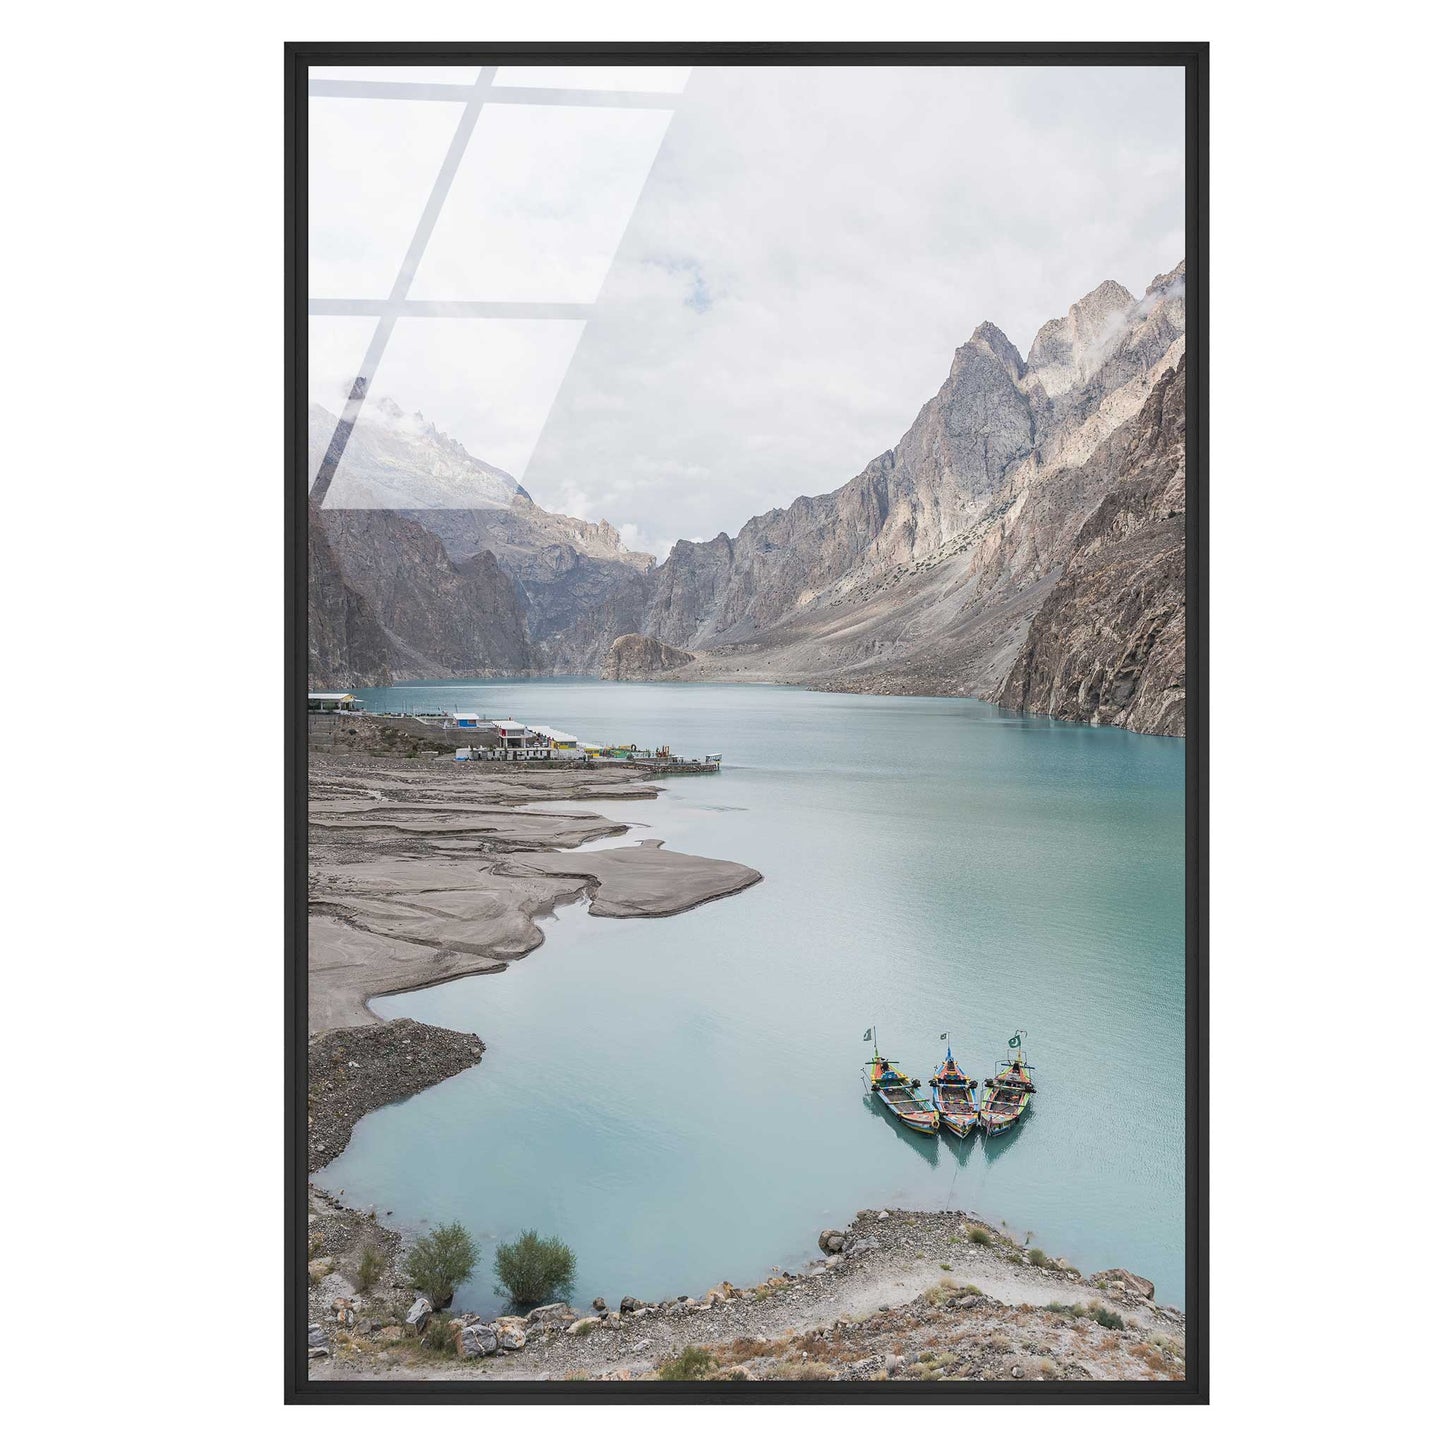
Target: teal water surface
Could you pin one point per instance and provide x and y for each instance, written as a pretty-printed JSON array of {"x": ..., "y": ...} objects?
[{"x": 681, "y": 1100}]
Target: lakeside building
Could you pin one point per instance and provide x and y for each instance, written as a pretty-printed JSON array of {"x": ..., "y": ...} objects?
[
  {"x": 333, "y": 702},
  {"x": 464, "y": 719},
  {"x": 559, "y": 742}
]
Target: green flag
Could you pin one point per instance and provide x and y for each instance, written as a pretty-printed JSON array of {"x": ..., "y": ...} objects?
[
  {"x": 1014, "y": 1042},
  {"x": 868, "y": 1036}
]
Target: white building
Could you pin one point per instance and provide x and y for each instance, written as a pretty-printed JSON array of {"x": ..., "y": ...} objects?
[
  {"x": 332, "y": 702},
  {"x": 559, "y": 742}
]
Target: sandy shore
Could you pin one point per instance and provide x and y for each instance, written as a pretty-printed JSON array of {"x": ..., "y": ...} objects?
[{"x": 425, "y": 871}]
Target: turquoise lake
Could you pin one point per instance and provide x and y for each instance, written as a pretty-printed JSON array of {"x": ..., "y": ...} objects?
[{"x": 681, "y": 1099}]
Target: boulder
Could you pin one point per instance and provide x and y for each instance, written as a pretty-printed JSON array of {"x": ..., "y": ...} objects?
[
  {"x": 599, "y": 1306},
  {"x": 345, "y": 1310},
  {"x": 315, "y": 1336},
  {"x": 511, "y": 1331},
  {"x": 629, "y": 1304},
  {"x": 832, "y": 1241},
  {"x": 550, "y": 1315},
  {"x": 1134, "y": 1284},
  {"x": 475, "y": 1339},
  {"x": 319, "y": 1353},
  {"x": 584, "y": 1326},
  {"x": 419, "y": 1315}
]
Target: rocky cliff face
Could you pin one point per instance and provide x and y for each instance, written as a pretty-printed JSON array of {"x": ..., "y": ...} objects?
[
  {"x": 348, "y": 647},
  {"x": 400, "y": 462},
  {"x": 409, "y": 610},
  {"x": 923, "y": 573},
  {"x": 1107, "y": 645},
  {"x": 634, "y": 658}
]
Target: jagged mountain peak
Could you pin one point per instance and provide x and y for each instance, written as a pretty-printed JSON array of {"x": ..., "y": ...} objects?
[
  {"x": 990, "y": 339},
  {"x": 1070, "y": 349},
  {"x": 399, "y": 460}
]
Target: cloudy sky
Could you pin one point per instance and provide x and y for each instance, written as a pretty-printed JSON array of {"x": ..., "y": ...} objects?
[{"x": 761, "y": 285}]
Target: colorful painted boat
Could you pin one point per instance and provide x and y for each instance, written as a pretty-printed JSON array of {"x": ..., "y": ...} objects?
[
  {"x": 1007, "y": 1094},
  {"x": 954, "y": 1096},
  {"x": 899, "y": 1094}
]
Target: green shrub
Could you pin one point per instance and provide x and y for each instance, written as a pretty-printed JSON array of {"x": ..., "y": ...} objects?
[
  {"x": 534, "y": 1269},
  {"x": 438, "y": 1337},
  {"x": 978, "y": 1235},
  {"x": 1059, "y": 1308},
  {"x": 440, "y": 1261},
  {"x": 373, "y": 1261},
  {"x": 1037, "y": 1256},
  {"x": 694, "y": 1363},
  {"x": 1107, "y": 1317}
]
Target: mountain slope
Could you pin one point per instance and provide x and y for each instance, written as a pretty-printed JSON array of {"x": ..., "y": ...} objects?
[
  {"x": 401, "y": 462},
  {"x": 1107, "y": 646},
  {"x": 924, "y": 572},
  {"x": 406, "y": 609}
]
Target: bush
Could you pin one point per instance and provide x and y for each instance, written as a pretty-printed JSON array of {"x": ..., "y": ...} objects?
[
  {"x": 373, "y": 1261},
  {"x": 1037, "y": 1256},
  {"x": 438, "y": 1337},
  {"x": 694, "y": 1363},
  {"x": 440, "y": 1261},
  {"x": 979, "y": 1235},
  {"x": 534, "y": 1269},
  {"x": 1107, "y": 1318}
]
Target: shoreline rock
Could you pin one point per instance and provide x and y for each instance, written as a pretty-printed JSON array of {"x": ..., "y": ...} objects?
[
  {"x": 352, "y": 1071},
  {"x": 908, "y": 1296}
]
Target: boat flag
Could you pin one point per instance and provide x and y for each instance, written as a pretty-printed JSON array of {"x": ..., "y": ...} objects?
[
  {"x": 943, "y": 1036},
  {"x": 868, "y": 1037},
  {"x": 1014, "y": 1042}
]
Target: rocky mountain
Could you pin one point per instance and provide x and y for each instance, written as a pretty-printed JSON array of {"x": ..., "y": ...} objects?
[
  {"x": 633, "y": 658},
  {"x": 348, "y": 646},
  {"x": 1107, "y": 646},
  {"x": 924, "y": 573},
  {"x": 397, "y": 461},
  {"x": 387, "y": 603},
  {"x": 1011, "y": 546}
]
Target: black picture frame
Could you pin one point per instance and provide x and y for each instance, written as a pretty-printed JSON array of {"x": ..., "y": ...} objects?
[{"x": 1193, "y": 57}]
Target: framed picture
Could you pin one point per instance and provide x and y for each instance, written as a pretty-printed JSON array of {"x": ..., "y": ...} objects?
[{"x": 746, "y": 734}]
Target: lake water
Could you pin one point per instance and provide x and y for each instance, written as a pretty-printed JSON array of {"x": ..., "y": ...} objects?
[{"x": 680, "y": 1099}]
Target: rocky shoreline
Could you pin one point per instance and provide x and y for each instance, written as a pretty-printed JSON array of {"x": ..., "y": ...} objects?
[
  {"x": 350, "y": 1072},
  {"x": 898, "y": 1294}
]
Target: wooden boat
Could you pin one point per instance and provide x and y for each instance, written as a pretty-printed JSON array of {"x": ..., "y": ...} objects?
[
  {"x": 898, "y": 1094},
  {"x": 1007, "y": 1094},
  {"x": 954, "y": 1097}
]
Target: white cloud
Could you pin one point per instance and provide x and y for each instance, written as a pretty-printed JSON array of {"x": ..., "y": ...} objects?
[
  {"x": 372, "y": 165},
  {"x": 539, "y": 203},
  {"x": 671, "y": 78},
  {"x": 488, "y": 383},
  {"x": 810, "y": 247}
]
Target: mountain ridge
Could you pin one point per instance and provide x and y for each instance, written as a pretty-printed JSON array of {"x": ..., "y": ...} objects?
[{"x": 924, "y": 573}]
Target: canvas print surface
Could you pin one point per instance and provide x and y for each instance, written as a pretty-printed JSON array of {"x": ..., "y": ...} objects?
[{"x": 746, "y": 587}]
